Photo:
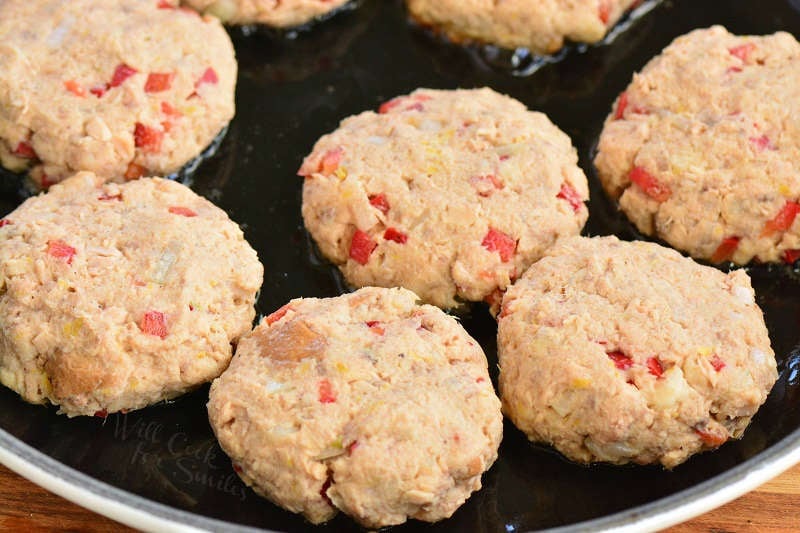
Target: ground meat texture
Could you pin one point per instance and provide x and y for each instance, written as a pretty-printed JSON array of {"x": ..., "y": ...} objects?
[{"x": 629, "y": 352}]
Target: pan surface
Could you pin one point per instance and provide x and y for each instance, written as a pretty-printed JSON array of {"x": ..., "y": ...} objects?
[{"x": 290, "y": 92}]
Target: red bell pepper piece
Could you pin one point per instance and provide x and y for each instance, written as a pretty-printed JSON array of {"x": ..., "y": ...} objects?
[
  {"x": 710, "y": 439},
  {"x": 330, "y": 161},
  {"x": 147, "y": 138},
  {"x": 783, "y": 220},
  {"x": 209, "y": 76},
  {"x": 497, "y": 241},
  {"x": 121, "y": 73},
  {"x": 326, "y": 392},
  {"x": 726, "y": 249},
  {"x": 393, "y": 234},
  {"x": 790, "y": 257},
  {"x": 277, "y": 315},
  {"x": 24, "y": 149},
  {"x": 742, "y": 51},
  {"x": 621, "y": 361},
  {"x": 75, "y": 88},
  {"x": 361, "y": 247},
  {"x": 154, "y": 323},
  {"x": 182, "y": 211},
  {"x": 379, "y": 202},
  {"x": 158, "y": 82},
  {"x": 571, "y": 196},
  {"x": 650, "y": 185},
  {"x": 654, "y": 367},
  {"x": 61, "y": 250},
  {"x": 622, "y": 103}
]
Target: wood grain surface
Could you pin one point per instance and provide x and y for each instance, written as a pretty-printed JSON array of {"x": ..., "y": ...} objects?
[{"x": 774, "y": 507}]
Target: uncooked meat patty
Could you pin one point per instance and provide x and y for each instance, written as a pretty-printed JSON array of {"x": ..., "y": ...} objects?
[
  {"x": 629, "y": 352},
  {"x": 122, "y": 89},
  {"x": 366, "y": 403},
  {"x": 451, "y": 194},
  {"x": 703, "y": 148},
  {"x": 114, "y": 297}
]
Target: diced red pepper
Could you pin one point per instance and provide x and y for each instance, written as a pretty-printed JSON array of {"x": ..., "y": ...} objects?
[
  {"x": 622, "y": 103},
  {"x": 711, "y": 439},
  {"x": 379, "y": 202},
  {"x": 98, "y": 90},
  {"x": 209, "y": 76},
  {"x": 25, "y": 150},
  {"x": 388, "y": 106},
  {"x": 147, "y": 138},
  {"x": 375, "y": 327},
  {"x": 717, "y": 363},
  {"x": 158, "y": 82},
  {"x": 107, "y": 197},
  {"x": 61, "y": 250},
  {"x": 121, "y": 73},
  {"x": 733, "y": 69},
  {"x": 393, "y": 234},
  {"x": 394, "y": 102},
  {"x": 277, "y": 315},
  {"x": 571, "y": 196},
  {"x": 650, "y": 185},
  {"x": 742, "y": 51},
  {"x": 726, "y": 249},
  {"x": 352, "y": 447},
  {"x": 497, "y": 241},
  {"x": 163, "y": 4},
  {"x": 361, "y": 247},
  {"x": 783, "y": 220},
  {"x": 762, "y": 143},
  {"x": 326, "y": 393},
  {"x": 604, "y": 11},
  {"x": 5, "y": 222},
  {"x": 167, "y": 109},
  {"x": 154, "y": 323},
  {"x": 102, "y": 413},
  {"x": 182, "y": 211},
  {"x": 134, "y": 171},
  {"x": 75, "y": 88},
  {"x": 654, "y": 367},
  {"x": 621, "y": 361},
  {"x": 790, "y": 257},
  {"x": 330, "y": 161}
]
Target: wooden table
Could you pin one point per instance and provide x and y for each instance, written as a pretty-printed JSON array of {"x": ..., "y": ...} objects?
[{"x": 771, "y": 508}]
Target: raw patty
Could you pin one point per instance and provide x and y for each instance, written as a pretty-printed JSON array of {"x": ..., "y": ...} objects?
[
  {"x": 540, "y": 26},
  {"x": 366, "y": 403},
  {"x": 702, "y": 149},
  {"x": 629, "y": 352},
  {"x": 451, "y": 194},
  {"x": 277, "y": 13},
  {"x": 122, "y": 89},
  {"x": 116, "y": 297}
]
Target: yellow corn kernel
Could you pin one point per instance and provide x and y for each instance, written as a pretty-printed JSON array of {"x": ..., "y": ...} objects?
[
  {"x": 705, "y": 351},
  {"x": 73, "y": 328},
  {"x": 581, "y": 383}
]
